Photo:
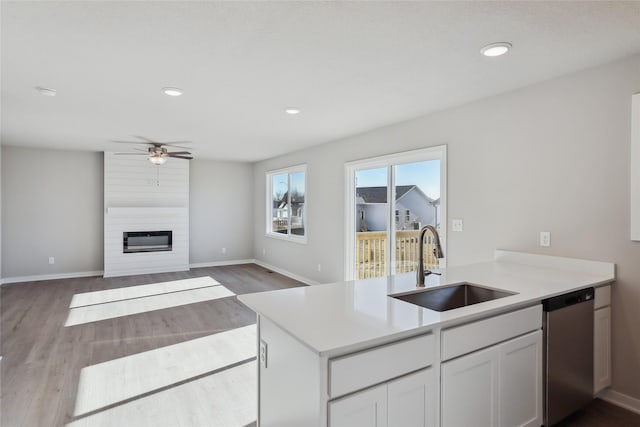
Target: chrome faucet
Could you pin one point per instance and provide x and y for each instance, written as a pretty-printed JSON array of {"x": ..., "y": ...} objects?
[{"x": 437, "y": 251}]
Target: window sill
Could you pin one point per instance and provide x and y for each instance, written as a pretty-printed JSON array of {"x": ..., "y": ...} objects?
[{"x": 301, "y": 240}]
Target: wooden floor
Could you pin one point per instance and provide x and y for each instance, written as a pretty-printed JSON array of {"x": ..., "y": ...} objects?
[
  {"x": 602, "y": 414},
  {"x": 42, "y": 359}
]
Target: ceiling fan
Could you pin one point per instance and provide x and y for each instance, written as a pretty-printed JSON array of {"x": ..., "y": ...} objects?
[{"x": 157, "y": 152}]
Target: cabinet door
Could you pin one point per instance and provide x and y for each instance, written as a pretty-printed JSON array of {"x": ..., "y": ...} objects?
[
  {"x": 602, "y": 349},
  {"x": 411, "y": 400},
  {"x": 470, "y": 390},
  {"x": 520, "y": 373},
  {"x": 367, "y": 408}
]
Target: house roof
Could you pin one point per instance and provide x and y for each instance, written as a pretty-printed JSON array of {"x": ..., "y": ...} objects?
[{"x": 379, "y": 194}]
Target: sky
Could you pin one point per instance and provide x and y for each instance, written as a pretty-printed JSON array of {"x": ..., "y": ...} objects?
[{"x": 425, "y": 175}]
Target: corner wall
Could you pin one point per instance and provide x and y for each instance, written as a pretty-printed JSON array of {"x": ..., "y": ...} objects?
[
  {"x": 52, "y": 207},
  {"x": 549, "y": 157},
  {"x": 220, "y": 211}
]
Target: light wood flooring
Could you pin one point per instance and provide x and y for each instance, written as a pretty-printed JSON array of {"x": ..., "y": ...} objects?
[{"x": 42, "y": 358}]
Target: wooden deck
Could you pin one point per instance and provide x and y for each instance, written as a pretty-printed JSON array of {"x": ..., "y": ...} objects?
[{"x": 371, "y": 248}]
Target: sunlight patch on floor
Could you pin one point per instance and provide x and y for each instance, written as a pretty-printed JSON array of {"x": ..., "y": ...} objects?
[
  {"x": 120, "y": 379},
  {"x": 227, "y": 398},
  {"x": 110, "y": 310},
  {"x": 129, "y": 292}
]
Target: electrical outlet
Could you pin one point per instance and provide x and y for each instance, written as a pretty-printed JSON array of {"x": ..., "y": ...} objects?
[
  {"x": 545, "y": 238},
  {"x": 264, "y": 251},
  {"x": 224, "y": 250},
  {"x": 457, "y": 225},
  {"x": 263, "y": 353},
  {"x": 52, "y": 260},
  {"x": 319, "y": 267}
]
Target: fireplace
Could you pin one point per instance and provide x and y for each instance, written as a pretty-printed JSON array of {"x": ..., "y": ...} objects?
[{"x": 146, "y": 241}]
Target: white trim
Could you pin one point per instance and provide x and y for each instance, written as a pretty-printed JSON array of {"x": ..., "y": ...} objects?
[
  {"x": 619, "y": 399},
  {"x": 285, "y": 272},
  {"x": 40, "y": 277},
  {"x": 635, "y": 167},
  {"x": 437, "y": 152},
  {"x": 221, "y": 263},
  {"x": 269, "y": 204}
]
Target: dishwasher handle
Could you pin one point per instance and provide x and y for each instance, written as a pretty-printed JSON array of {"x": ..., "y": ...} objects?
[{"x": 566, "y": 300}]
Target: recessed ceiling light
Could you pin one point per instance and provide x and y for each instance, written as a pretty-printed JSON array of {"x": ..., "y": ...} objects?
[
  {"x": 496, "y": 49},
  {"x": 292, "y": 111},
  {"x": 172, "y": 91},
  {"x": 45, "y": 91}
]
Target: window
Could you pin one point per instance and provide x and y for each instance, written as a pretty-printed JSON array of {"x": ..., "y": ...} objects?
[
  {"x": 387, "y": 200},
  {"x": 286, "y": 208}
]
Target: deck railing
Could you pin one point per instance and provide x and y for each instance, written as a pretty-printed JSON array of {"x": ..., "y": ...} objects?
[{"x": 371, "y": 247}]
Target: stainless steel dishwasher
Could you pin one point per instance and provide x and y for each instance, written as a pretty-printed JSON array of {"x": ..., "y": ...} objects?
[{"x": 568, "y": 354}]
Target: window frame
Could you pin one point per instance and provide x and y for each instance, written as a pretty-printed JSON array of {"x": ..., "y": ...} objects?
[
  {"x": 437, "y": 152},
  {"x": 269, "y": 204}
]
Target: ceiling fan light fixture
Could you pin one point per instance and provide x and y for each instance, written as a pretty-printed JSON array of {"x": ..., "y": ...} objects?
[
  {"x": 496, "y": 49},
  {"x": 172, "y": 91},
  {"x": 158, "y": 160}
]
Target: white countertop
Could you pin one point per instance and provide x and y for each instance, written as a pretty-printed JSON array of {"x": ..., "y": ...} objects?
[{"x": 342, "y": 317}]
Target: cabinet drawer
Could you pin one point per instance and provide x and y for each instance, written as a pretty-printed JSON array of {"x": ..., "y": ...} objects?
[
  {"x": 359, "y": 370},
  {"x": 603, "y": 297},
  {"x": 464, "y": 339}
]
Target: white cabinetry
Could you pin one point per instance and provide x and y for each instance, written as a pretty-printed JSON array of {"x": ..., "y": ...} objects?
[
  {"x": 520, "y": 383},
  {"x": 492, "y": 378},
  {"x": 412, "y": 399},
  {"x": 497, "y": 386},
  {"x": 362, "y": 409},
  {"x": 408, "y": 401},
  {"x": 469, "y": 390},
  {"x": 602, "y": 339}
]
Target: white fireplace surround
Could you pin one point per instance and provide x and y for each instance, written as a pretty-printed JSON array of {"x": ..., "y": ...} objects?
[
  {"x": 140, "y": 196},
  {"x": 120, "y": 220}
]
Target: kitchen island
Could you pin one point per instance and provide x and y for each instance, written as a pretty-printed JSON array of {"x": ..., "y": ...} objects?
[{"x": 348, "y": 353}]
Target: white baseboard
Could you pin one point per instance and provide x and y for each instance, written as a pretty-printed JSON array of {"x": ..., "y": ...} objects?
[
  {"x": 620, "y": 399},
  {"x": 37, "y": 278},
  {"x": 221, "y": 263},
  {"x": 285, "y": 273},
  {"x": 19, "y": 279}
]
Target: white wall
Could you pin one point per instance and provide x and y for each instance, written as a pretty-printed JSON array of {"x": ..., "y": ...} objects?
[
  {"x": 52, "y": 206},
  {"x": 549, "y": 157},
  {"x": 0, "y": 214},
  {"x": 221, "y": 211}
]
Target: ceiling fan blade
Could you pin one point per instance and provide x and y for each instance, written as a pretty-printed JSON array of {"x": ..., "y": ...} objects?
[
  {"x": 146, "y": 139},
  {"x": 176, "y": 142},
  {"x": 129, "y": 142},
  {"x": 181, "y": 157},
  {"x": 131, "y": 154},
  {"x": 179, "y": 153},
  {"x": 176, "y": 146}
]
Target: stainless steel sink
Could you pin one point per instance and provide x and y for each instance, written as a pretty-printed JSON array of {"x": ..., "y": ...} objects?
[{"x": 453, "y": 296}]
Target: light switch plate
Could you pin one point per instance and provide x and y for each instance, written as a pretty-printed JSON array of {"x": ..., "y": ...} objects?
[
  {"x": 545, "y": 238},
  {"x": 457, "y": 224}
]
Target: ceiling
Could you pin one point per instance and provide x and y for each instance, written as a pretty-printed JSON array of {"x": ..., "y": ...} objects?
[{"x": 349, "y": 66}]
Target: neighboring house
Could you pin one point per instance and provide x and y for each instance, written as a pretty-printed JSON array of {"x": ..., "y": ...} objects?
[
  {"x": 281, "y": 213},
  {"x": 413, "y": 208}
]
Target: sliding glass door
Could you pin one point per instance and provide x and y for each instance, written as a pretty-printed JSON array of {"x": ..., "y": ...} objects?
[{"x": 389, "y": 199}]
